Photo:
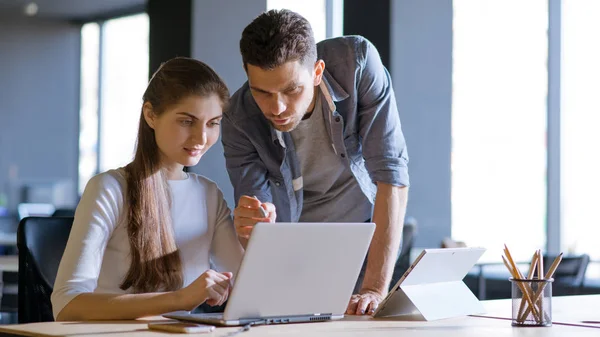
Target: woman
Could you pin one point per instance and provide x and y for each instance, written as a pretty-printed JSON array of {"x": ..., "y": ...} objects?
[{"x": 144, "y": 236}]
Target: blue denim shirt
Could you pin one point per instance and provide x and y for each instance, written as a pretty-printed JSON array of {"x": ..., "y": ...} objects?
[{"x": 362, "y": 121}]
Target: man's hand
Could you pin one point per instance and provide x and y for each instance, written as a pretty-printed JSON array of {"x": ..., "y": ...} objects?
[
  {"x": 248, "y": 213},
  {"x": 364, "y": 303}
]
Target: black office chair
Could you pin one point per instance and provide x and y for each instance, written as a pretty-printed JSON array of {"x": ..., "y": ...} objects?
[
  {"x": 41, "y": 242},
  {"x": 570, "y": 274},
  {"x": 568, "y": 278},
  {"x": 62, "y": 212}
]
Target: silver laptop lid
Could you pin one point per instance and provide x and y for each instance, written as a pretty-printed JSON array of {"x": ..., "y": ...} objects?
[
  {"x": 432, "y": 266},
  {"x": 442, "y": 265},
  {"x": 292, "y": 269}
]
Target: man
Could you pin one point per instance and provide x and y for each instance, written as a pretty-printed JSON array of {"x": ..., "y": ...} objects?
[{"x": 318, "y": 139}]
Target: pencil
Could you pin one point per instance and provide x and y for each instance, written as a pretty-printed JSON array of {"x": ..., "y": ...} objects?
[
  {"x": 539, "y": 301},
  {"x": 515, "y": 275},
  {"x": 534, "y": 260},
  {"x": 540, "y": 265},
  {"x": 525, "y": 288},
  {"x": 554, "y": 266},
  {"x": 548, "y": 276}
]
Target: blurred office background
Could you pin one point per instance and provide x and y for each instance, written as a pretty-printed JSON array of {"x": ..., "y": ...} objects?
[{"x": 497, "y": 98}]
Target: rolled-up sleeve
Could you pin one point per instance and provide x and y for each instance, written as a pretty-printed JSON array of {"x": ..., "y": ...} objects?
[
  {"x": 93, "y": 225},
  {"x": 384, "y": 147}
]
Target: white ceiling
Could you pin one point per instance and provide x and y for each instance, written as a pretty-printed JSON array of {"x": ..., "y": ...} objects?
[{"x": 69, "y": 9}]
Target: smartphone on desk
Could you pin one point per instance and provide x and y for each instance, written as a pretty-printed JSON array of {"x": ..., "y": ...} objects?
[{"x": 182, "y": 327}]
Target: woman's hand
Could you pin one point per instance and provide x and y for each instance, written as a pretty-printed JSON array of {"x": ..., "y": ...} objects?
[{"x": 211, "y": 287}]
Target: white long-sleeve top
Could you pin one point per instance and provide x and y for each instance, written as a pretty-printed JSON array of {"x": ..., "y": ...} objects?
[{"x": 97, "y": 255}]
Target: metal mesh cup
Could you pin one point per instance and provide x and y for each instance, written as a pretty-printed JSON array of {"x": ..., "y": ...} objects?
[{"x": 531, "y": 302}]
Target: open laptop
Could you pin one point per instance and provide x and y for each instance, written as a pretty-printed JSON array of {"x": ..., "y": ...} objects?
[
  {"x": 294, "y": 272},
  {"x": 433, "y": 288}
]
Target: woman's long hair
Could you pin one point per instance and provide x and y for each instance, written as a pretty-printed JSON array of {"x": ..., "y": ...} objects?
[{"x": 155, "y": 261}]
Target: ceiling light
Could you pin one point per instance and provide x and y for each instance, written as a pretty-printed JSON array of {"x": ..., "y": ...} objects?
[{"x": 31, "y": 9}]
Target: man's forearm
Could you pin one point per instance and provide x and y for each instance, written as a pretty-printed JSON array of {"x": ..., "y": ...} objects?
[{"x": 388, "y": 215}]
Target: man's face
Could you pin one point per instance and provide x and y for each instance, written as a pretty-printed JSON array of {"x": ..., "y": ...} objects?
[{"x": 285, "y": 93}]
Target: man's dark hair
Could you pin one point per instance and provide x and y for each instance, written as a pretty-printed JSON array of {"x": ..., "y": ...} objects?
[{"x": 276, "y": 37}]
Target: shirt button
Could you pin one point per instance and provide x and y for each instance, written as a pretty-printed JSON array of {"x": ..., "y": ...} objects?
[
  {"x": 343, "y": 155},
  {"x": 337, "y": 119},
  {"x": 277, "y": 183}
]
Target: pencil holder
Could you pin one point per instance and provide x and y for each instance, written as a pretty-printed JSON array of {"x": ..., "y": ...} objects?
[{"x": 531, "y": 302}]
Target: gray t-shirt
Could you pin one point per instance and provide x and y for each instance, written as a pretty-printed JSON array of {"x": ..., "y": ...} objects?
[{"x": 331, "y": 192}]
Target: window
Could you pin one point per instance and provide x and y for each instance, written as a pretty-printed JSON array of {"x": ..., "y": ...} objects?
[
  {"x": 88, "y": 114},
  {"x": 580, "y": 118},
  {"x": 499, "y": 114},
  {"x": 114, "y": 75},
  {"x": 124, "y": 79}
]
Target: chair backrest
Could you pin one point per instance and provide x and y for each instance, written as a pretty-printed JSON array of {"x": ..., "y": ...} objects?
[
  {"x": 41, "y": 242},
  {"x": 64, "y": 212},
  {"x": 570, "y": 271},
  {"x": 34, "y": 209}
]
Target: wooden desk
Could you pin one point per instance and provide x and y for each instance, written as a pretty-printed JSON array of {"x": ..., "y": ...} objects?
[
  {"x": 565, "y": 310},
  {"x": 350, "y": 326}
]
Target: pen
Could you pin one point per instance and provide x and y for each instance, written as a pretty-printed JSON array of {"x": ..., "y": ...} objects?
[{"x": 263, "y": 212}]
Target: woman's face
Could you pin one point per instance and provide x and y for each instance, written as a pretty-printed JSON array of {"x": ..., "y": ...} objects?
[{"x": 186, "y": 130}]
